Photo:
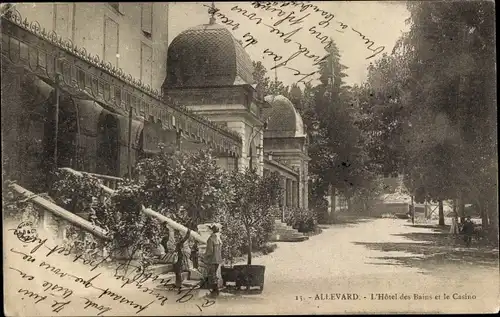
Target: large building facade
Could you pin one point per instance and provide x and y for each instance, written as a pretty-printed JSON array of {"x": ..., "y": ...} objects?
[{"x": 95, "y": 86}]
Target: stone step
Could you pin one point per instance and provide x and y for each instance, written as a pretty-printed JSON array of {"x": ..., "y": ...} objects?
[
  {"x": 170, "y": 276},
  {"x": 284, "y": 232},
  {"x": 167, "y": 269},
  {"x": 191, "y": 283},
  {"x": 283, "y": 227},
  {"x": 289, "y": 235},
  {"x": 281, "y": 224},
  {"x": 289, "y": 239},
  {"x": 158, "y": 269},
  {"x": 288, "y": 232},
  {"x": 195, "y": 275},
  {"x": 286, "y": 229}
]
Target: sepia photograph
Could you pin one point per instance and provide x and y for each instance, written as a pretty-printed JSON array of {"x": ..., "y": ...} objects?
[{"x": 249, "y": 158}]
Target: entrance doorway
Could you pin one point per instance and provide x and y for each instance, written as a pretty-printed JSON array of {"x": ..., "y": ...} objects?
[{"x": 108, "y": 146}]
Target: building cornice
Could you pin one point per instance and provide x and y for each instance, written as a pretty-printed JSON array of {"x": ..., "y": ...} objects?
[{"x": 280, "y": 166}]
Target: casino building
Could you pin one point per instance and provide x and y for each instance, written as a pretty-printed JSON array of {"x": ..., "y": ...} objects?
[{"x": 95, "y": 87}]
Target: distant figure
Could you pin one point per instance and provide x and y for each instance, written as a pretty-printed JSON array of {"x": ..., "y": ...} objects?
[
  {"x": 468, "y": 230},
  {"x": 165, "y": 240},
  {"x": 454, "y": 226},
  {"x": 213, "y": 259}
]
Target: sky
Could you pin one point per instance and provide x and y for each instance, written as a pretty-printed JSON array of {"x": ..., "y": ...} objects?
[{"x": 347, "y": 23}]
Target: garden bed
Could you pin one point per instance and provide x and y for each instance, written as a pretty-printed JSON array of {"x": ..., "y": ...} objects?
[{"x": 316, "y": 231}]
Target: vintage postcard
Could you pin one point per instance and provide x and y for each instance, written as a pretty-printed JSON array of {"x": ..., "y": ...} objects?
[{"x": 249, "y": 158}]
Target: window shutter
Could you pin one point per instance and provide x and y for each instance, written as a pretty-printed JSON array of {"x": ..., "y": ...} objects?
[
  {"x": 111, "y": 41},
  {"x": 146, "y": 64},
  {"x": 62, "y": 20}
]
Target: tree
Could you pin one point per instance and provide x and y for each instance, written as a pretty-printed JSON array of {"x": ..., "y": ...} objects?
[
  {"x": 254, "y": 197},
  {"x": 449, "y": 51},
  {"x": 383, "y": 113},
  {"x": 188, "y": 187},
  {"x": 266, "y": 86},
  {"x": 337, "y": 151}
]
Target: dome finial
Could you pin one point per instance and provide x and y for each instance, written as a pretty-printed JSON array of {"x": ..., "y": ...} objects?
[{"x": 212, "y": 12}]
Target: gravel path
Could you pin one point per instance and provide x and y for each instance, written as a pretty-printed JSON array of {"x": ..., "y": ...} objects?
[{"x": 369, "y": 259}]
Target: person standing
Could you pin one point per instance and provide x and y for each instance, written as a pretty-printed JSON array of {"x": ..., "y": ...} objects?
[
  {"x": 454, "y": 225},
  {"x": 468, "y": 230},
  {"x": 213, "y": 259}
]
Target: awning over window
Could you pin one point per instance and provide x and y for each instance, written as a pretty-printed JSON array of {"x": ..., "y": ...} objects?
[
  {"x": 42, "y": 90},
  {"x": 154, "y": 135},
  {"x": 137, "y": 127},
  {"x": 88, "y": 113},
  {"x": 37, "y": 95}
]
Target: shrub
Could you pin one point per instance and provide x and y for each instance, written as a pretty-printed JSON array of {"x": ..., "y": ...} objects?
[
  {"x": 304, "y": 220},
  {"x": 320, "y": 208},
  {"x": 75, "y": 193},
  {"x": 268, "y": 248},
  {"x": 120, "y": 214}
]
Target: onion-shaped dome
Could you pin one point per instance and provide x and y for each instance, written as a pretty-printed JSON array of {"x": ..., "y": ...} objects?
[
  {"x": 282, "y": 118},
  {"x": 205, "y": 56}
]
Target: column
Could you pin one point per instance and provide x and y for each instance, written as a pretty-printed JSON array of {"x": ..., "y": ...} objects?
[
  {"x": 283, "y": 195},
  {"x": 305, "y": 199},
  {"x": 260, "y": 152},
  {"x": 294, "y": 194},
  {"x": 289, "y": 202},
  {"x": 300, "y": 191},
  {"x": 305, "y": 177}
]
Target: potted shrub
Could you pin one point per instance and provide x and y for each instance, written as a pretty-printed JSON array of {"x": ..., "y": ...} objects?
[
  {"x": 232, "y": 242},
  {"x": 253, "y": 198}
]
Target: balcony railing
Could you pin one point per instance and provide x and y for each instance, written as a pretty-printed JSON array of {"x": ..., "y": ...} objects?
[{"x": 62, "y": 63}]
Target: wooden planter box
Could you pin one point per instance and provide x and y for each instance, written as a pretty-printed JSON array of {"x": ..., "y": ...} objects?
[
  {"x": 229, "y": 274},
  {"x": 250, "y": 276}
]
